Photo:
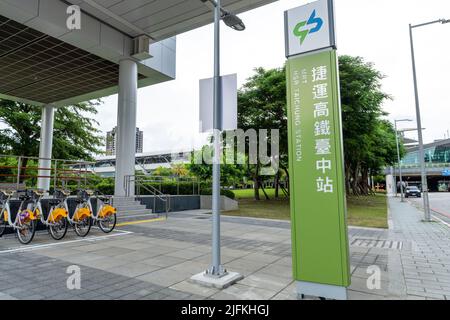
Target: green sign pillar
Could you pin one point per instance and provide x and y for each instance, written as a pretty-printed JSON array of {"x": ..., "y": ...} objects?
[{"x": 316, "y": 168}]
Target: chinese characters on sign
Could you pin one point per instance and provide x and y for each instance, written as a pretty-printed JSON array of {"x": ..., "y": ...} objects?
[
  {"x": 322, "y": 128},
  {"x": 317, "y": 77}
]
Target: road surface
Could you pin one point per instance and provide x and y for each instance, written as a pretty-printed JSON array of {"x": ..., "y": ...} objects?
[{"x": 439, "y": 204}]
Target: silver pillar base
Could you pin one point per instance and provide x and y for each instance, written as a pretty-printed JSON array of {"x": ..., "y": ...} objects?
[
  {"x": 320, "y": 290},
  {"x": 213, "y": 273},
  {"x": 219, "y": 282}
]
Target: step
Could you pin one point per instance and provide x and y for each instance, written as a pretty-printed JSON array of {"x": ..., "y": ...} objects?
[
  {"x": 125, "y": 200},
  {"x": 133, "y": 207},
  {"x": 121, "y": 204},
  {"x": 134, "y": 212},
  {"x": 130, "y": 206}
]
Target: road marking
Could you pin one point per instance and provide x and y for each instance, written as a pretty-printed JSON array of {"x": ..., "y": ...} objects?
[
  {"x": 442, "y": 213},
  {"x": 440, "y": 220},
  {"x": 139, "y": 222},
  {"x": 54, "y": 244},
  {"x": 434, "y": 216}
]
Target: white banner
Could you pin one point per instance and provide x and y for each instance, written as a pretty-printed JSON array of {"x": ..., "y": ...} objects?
[{"x": 229, "y": 103}]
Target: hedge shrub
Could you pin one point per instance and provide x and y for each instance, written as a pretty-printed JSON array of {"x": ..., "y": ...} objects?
[
  {"x": 167, "y": 187},
  {"x": 223, "y": 192}
]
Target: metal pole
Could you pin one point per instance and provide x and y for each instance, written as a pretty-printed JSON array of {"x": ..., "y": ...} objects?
[
  {"x": 19, "y": 166},
  {"x": 85, "y": 175},
  {"x": 426, "y": 202},
  {"x": 399, "y": 163},
  {"x": 79, "y": 177},
  {"x": 216, "y": 269},
  {"x": 55, "y": 175}
]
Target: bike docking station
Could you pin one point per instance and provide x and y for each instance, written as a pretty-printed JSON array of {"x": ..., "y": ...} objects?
[
  {"x": 320, "y": 248},
  {"x": 28, "y": 210},
  {"x": 68, "y": 202}
]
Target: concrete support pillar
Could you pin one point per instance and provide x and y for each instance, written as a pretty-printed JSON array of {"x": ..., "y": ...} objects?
[
  {"x": 45, "y": 148},
  {"x": 126, "y": 126}
]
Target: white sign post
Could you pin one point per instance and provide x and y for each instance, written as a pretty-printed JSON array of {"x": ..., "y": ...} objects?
[
  {"x": 310, "y": 28},
  {"x": 229, "y": 103},
  {"x": 320, "y": 253}
]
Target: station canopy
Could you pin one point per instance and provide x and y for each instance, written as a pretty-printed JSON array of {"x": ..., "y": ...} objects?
[
  {"x": 43, "y": 62},
  {"x": 161, "y": 19}
]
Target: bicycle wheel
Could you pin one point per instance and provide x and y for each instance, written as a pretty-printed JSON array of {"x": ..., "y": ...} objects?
[
  {"x": 107, "y": 224},
  {"x": 83, "y": 227},
  {"x": 26, "y": 232},
  {"x": 59, "y": 229},
  {"x": 3, "y": 224}
]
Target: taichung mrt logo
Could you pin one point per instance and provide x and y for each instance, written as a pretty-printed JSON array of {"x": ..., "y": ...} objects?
[{"x": 304, "y": 28}]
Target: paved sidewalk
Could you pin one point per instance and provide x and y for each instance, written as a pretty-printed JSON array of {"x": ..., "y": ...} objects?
[
  {"x": 425, "y": 258},
  {"x": 155, "y": 260}
]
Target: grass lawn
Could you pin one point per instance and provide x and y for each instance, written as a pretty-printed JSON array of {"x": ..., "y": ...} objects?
[{"x": 368, "y": 211}]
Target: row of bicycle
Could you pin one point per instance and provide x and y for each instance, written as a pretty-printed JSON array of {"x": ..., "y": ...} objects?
[{"x": 57, "y": 218}]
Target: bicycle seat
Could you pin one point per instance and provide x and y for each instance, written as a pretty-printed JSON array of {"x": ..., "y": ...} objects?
[
  {"x": 38, "y": 192},
  {"x": 24, "y": 197},
  {"x": 65, "y": 192},
  {"x": 61, "y": 194},
  {"x": 7, "y": 193}
]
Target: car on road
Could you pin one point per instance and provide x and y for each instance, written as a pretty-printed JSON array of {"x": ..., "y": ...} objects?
[{"x": 412, "y": 192}]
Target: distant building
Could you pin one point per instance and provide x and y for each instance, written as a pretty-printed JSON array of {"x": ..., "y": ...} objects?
[
  {"x": 105, "y": 166},
  {"x": 437, "y": 166},
  {"x": 111, "y": 141}
]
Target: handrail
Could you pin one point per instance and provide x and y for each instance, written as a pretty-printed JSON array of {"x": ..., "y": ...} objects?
[
  {"x": 57, "y": 171},
  {"x": 154, "y": 191}
]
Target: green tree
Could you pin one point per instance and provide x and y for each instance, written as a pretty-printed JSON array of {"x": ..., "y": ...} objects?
[
  {"x": 230, "y": 174},
  {"x": 75, "y": 137},
  {"x": 369, "y": 140},
  {"x": 162, "y": 172},
  {"x": 179, "y": 169},
  {"x": 262, "y": 105}
]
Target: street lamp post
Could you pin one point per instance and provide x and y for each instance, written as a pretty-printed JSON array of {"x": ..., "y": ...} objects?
[
  {"x": 402, "y": 194},
  {"x": 426, "y": 202},
  {"x": 216, "y": 270}
]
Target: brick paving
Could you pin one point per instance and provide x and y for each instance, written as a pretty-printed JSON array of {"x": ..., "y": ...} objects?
[
  {"x": 155, "y": 260},
  {"x": 426, "y": 263}
]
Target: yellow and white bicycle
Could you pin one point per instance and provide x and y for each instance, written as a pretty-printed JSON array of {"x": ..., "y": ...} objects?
[
  {"x": 56, "y": 218},
  {"x": 106, "y": 217},
  {"x": 84, "y": 217},
  {"x": 24, "y": 222},
  {"x": 81, "y": 218}
]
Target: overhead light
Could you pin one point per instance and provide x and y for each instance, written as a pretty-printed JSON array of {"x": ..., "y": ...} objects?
[
  {"x": 230, "y": 19},
  {"x": 443, "y": 21},
  {"x": 233, "y": 21}
]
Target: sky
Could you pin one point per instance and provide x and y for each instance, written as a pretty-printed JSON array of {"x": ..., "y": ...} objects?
[{"x": 375, "y": 30}]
